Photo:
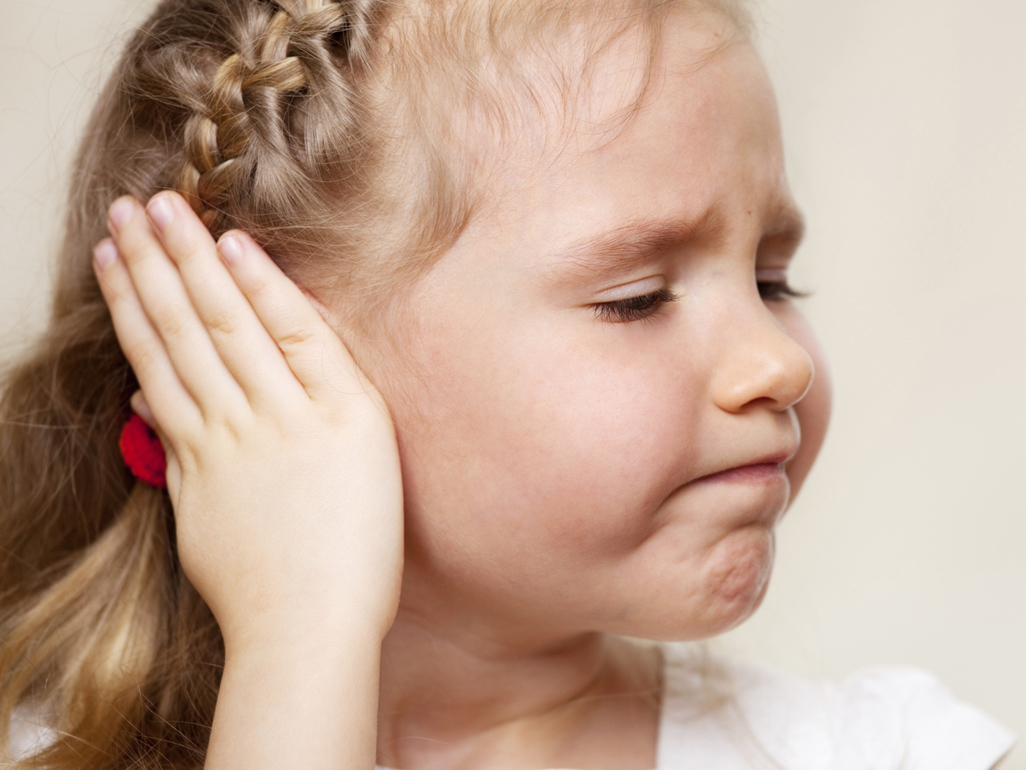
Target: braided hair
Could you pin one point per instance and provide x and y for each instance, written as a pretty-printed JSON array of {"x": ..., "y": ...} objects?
[
  {"x": 251, "y": 107},
  {"x": 257, "y": 100}
]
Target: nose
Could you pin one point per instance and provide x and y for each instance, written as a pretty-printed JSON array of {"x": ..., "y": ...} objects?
[{"x": 760, "y": 361}]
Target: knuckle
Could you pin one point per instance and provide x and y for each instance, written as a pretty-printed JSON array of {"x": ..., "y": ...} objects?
[
  {"x": 143, "y": 356},
  {"x": 259, "y": 286},
  {"x": 171, "y": 321},
  {"x": 132, "y": 246},
  {"x": 222, "y": 429},
  {"x": 223, "y": 323},
  {"x": 295, "y": 337},
  {"x": 337, "y": 418},
  {"x": 293, "y": 413},
  {"x": 115, "y": 292},
  {"x": 186, "y": 247},
  {"x": 189, "y": 443}
]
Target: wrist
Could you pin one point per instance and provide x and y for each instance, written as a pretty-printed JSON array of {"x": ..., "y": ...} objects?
[
  {"x": 317, "y": 641},
  {"x": 279, "y": 690}
]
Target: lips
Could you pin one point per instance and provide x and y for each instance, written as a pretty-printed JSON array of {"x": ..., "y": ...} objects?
[
  {"x": 762, "y": 470},
  {"x": 757, "y": 473}
]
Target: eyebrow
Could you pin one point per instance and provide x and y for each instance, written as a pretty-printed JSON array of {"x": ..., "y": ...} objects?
[
  {"x": 636, "y": 242},
  {"x": 632, "y": 243}
]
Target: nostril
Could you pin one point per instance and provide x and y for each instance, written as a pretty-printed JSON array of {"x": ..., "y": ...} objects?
[{"x": 760, "y": 402}]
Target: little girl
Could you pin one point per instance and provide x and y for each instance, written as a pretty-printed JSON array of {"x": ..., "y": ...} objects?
[{"x": 543, "y": 389}]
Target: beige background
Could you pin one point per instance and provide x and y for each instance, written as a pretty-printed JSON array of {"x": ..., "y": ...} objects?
[{"x": 906, "y": 128}]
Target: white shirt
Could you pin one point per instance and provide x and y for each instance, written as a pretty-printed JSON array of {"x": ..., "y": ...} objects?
[{"x": 882, "y": 718}]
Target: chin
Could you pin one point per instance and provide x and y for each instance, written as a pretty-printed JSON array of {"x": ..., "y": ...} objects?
[
  {"x": 737, "y": 577},
  {"x": 717, "y": 597}
]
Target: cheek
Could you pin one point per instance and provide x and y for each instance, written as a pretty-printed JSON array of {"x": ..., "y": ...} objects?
[{"x": 534, "y": 441}]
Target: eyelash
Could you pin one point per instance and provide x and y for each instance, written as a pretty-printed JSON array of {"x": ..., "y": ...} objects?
[
  {"x": 771, "y": 291},
  {"x": 646, "y": 305},
  {"x": 635, "y": 308}
]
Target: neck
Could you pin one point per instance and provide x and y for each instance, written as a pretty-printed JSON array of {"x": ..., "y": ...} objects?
[{"x": 453, "y": 697}]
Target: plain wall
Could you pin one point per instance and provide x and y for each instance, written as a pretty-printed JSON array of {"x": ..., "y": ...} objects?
[{"x": 905, "y": 124}]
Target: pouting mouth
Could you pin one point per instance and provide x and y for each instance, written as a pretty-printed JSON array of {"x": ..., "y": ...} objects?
[{"x": 765, "y": 468}]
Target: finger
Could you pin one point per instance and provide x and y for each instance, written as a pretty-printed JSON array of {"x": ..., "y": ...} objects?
[
  {"x": 171, "y": 402},
  {"x": 243, "y": 343},
  {"x": 163, "y": 298},
  {"x": 171, "y": 470},
  {"x": 142, "y": 408},
  {"x": 313, "y": 350}
]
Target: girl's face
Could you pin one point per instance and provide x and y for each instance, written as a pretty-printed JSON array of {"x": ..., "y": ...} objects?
[{"x": 606, "y": 420}]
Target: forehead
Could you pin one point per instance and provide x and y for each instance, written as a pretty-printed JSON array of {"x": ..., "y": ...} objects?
[
  {"x": 705, "y": 144},
  {"x": 702, "y": 149}
]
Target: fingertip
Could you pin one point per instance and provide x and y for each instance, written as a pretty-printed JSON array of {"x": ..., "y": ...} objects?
[
  {"x": 230, "y": 248},
  {"x": 174, "y": 197},
  {"x": 120, "y": 212},
  {"x": 161, "y": 210},
  {"x": 104, "y": 254},
  {"x": 248, "y": 242},
  {"x": 168, "y": 205}
]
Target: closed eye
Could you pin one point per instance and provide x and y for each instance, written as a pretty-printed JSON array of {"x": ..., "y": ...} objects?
[{"x": 634, "y": 308}]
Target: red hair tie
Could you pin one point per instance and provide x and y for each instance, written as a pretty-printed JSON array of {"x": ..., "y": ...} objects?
[{"x": 143, "y": 452}]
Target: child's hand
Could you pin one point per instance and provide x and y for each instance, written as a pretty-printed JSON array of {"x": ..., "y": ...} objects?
[{"x": 283, "y": 469}]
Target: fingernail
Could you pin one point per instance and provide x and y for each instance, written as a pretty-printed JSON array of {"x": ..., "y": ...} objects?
[
  {"x": 105, "y": 253},
  {"x": 161, "y": 211},
  {"x": 120, "y": 213},
  {"x": 230, "y": 249}
]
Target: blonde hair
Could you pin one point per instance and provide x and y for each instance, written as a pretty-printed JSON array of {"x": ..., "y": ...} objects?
[{"x": 305, "y": 123}]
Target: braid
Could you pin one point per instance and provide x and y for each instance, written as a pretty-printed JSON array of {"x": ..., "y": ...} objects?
[{"x": 247, "y": 114}]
